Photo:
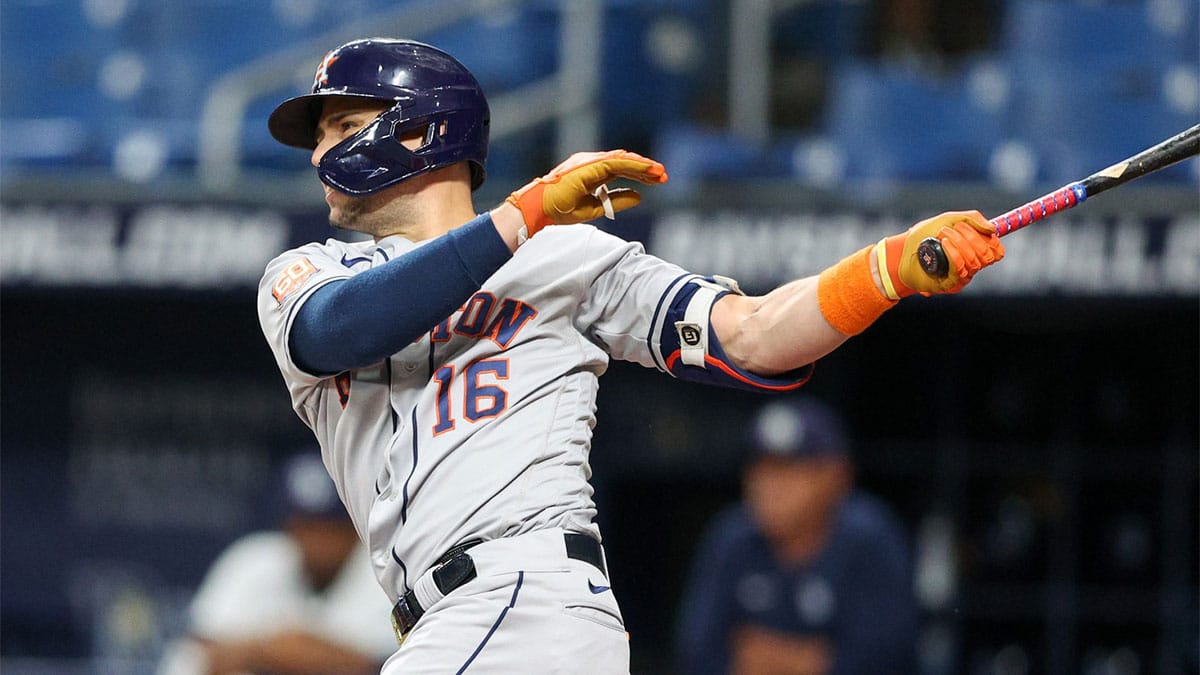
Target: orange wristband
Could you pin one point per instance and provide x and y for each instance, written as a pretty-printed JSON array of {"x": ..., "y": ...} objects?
[
  {"x": 847, "y": 294},
  {"x": 528, "y": 201}
]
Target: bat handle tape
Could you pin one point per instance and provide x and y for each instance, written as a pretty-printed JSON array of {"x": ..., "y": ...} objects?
[{"x": 932, "y": 256}]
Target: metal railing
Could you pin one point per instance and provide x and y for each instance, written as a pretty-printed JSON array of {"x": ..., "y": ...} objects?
[
  {"x": 566, "y": 97},
  {"x": 750, "y": 66}
]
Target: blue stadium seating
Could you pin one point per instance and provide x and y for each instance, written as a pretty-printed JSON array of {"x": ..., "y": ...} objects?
[
  {"x": 694, "y": 154},
  {"x": 1092, "y": 80},
  {"x": 1078, "y": 125},
  {"x": 831, "y": 30},
  {"x": 49, "y": 72},
  {"x": 48, "y": 84},
  {"x": 1153, "y": 34},
  {"x": 512, "y": 47},
  {"x": 656, "y": 61},
  {"x": 1083, "y": 82},
  {"x": 895, "y": 123}
]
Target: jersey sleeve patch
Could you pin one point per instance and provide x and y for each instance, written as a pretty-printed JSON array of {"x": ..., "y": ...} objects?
[{"x": 292, "y": 279}]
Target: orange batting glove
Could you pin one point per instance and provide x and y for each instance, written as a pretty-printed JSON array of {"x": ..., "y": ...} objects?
[
  {"x": 968, "y": 239},
  {"x": 576, "y": 190}
]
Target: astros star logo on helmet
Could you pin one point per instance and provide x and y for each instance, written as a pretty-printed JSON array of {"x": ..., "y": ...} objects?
[{"x": 322, "y": 76}]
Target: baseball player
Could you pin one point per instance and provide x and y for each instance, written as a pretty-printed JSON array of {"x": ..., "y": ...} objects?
[
  {"x": 448, "y": 366},
  {"x": 807, "y": 573},
  {"x": 297, "y": 599}
]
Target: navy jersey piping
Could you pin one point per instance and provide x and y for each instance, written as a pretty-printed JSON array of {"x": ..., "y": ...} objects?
[
  {"x": 413, "y": 470},
  {"x": 504, "y": 612},
  {"x": 654, "y": 320}
]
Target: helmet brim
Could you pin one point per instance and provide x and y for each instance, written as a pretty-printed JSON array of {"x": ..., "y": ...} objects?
[{"x": 294, "y": 122}]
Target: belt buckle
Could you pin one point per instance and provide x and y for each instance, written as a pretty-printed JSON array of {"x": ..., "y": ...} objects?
[
  {"x": 402, "y": 613},
  {"x": 396, "y": 630}
]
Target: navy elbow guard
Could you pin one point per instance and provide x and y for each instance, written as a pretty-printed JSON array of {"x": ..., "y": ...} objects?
[{"x": 691, "y": 350}]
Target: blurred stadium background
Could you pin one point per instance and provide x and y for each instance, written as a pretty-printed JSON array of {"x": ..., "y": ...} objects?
[{"x": 1038, "y": 433}]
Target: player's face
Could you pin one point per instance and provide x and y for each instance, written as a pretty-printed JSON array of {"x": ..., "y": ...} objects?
[
  {"x": 789, "y": 496},
  {"x": 341, "y": 118}
]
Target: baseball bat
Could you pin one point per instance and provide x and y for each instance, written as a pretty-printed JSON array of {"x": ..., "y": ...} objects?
[{"x": 1178, "y": 147}]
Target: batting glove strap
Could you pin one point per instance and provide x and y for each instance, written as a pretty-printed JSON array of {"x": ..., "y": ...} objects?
[
  {"x": 576, "y": 191},
  {"x": 888, "y": 254}
]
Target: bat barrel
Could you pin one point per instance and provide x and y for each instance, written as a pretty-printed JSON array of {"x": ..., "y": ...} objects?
[
  {"x": 1176, "y": 148},
  {"x": 1180, "y": 146}
]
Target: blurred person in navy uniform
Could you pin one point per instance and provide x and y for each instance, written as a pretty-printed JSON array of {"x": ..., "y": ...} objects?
[
  {"x": 301, "y": 599},
  {"x": 807, "y": 575}
]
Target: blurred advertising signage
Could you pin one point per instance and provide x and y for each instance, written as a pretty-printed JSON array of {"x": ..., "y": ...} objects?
[
  {"x": 152, "y": 246},
  {"x": 1069, "y": 255},
  {"x": 207, "y": 247}
]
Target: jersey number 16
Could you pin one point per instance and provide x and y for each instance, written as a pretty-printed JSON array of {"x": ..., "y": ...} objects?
[{"x": 480, "y": 400}]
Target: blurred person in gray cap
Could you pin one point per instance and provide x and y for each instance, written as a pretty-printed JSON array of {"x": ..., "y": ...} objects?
[
  {"x": 807, "y": 575},
  {"x": 301, "y": 599}
]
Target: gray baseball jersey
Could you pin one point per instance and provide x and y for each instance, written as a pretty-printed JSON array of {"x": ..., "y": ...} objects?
[{"x": 481, "y": 428}]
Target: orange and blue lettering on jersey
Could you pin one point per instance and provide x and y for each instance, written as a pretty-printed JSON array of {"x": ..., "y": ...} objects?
[
  {"x": 482, "y": 317},
  {"x": 508, "y": 321},
  {"x": 475, "y": 314}
]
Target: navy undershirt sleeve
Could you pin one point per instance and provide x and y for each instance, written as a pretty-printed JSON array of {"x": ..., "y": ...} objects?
[{"x": 362, "y": 320}]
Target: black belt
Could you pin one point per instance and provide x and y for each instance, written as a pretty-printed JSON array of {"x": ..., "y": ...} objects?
[{"x": 456, "y": 568}]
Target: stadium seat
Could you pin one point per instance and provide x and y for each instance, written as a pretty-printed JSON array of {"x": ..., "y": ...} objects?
[
  {"x": 1099, "y": 81},
  {"x": 510, "y": 48},
  {"x": 1079, "y": 125},
  {"x": 829, "y": 30},
  {"x": 694, "y": 154},
  {"x": 1149, "y": 33},
  {"x": 49, "y": 102},
  {"x": 49, "y": 72},
  {"x": 891, "y": 123},
  {"x": 655, "y": 61}
]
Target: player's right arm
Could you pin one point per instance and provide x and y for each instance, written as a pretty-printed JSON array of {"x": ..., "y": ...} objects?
[
  {"x": 801, "y": 321},
  {"x": 703, "y": 329}
]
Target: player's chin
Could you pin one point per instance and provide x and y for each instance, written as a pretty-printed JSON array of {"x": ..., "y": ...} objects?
[
  {"x": 334, "y": 198},
  {"x": 340, "y": 218},
  {"x": 343, "y": 209}
]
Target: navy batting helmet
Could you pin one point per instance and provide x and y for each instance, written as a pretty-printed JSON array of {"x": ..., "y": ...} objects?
[{"x": 433, "y": 93}]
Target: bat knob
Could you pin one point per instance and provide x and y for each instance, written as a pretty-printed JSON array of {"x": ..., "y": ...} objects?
[{"x": 932, "y": 258}]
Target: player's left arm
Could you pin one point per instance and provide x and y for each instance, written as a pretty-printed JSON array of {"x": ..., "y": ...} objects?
[
  {"x": 340, "y": 326},
  {"x": 801, "y": 321},
  {"x": 575, "y": 191}
]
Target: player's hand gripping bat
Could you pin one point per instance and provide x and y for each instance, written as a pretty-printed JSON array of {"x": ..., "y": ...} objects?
[{"x": 1181, "y": 146}]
